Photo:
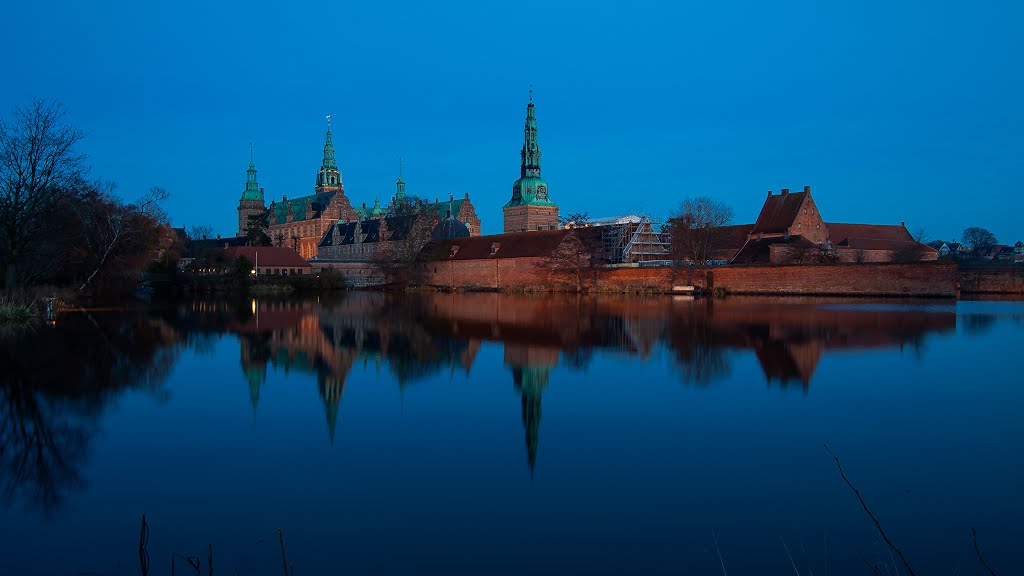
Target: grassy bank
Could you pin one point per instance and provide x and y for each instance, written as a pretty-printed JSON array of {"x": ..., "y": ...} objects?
[{"x": 15, "y": 313}]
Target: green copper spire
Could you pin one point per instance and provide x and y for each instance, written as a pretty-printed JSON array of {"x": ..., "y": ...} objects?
[
  {"x": 252, "y": 188},
  {"x": 530, "y": 153},
  {"x": 329, "y": 174},
  {"x": 400, "y": 185},
  {"x": 530, "y": 188}
]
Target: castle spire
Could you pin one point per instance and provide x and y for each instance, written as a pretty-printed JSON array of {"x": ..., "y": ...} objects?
[
  {"x": 329, "y": 177},
  {"x": 252, "y": 187},
  {"x": 400, "y": 185},
  {"x": 530, "y": 153},
  {"x": 530, "y": 207}
]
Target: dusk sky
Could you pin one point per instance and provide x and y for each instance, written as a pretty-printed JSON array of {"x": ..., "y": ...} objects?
[{"x": 890, "y": 111}]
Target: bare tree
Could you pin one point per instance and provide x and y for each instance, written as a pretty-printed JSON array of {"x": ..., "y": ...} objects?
[
  {"x": 396, "y": 256},
  {"x": 575, "y": 220},
  {"x": 119, "y": 240},
  {"x": 696, "y": 227},
  {"x": 570, "y": 260},
  {"x": 39, "y": 166},
  {"x": 979, "y": 239},
  {"x": 201, "y": 232}
]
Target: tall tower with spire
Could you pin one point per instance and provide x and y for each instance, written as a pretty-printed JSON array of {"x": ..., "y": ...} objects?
[
  {"x": 530, "y": 208},
  {"x": 328, "y": 179},
  {"x": 251, "y": 202},
  {"x": 400, "y": 185}
]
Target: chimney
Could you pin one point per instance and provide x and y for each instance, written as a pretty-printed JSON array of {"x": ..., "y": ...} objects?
[
  {"x": 807, "y": 189},
  {"x": 467, "y": 195},
  {"x": 769, "y": 193},
  {"x": 284, "y": 198},
  {"x": 903, "y": 224},
  {"x": 785, "y": 191}
]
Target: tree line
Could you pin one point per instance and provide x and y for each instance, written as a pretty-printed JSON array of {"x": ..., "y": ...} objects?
[{"x": 60, "y": 227}]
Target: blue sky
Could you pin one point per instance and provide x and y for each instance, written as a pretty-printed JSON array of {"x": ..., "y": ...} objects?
[{"x": 891, "y": 112}]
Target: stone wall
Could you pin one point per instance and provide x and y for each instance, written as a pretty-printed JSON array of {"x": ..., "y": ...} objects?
[{"x": 992, "y": 280}]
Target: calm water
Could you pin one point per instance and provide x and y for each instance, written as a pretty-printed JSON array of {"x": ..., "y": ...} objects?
[{"x": 486, "y": 434}]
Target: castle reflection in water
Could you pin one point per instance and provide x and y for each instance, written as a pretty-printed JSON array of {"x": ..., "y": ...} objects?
[{"x": 416, "y": 336}]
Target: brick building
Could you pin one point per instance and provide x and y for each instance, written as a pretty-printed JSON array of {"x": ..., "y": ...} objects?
[
  {"x": 790, "y": 229},
  {"x": 301, "y": 223},
  {"x": 530, "y": 208},
  {"x": 270, "y": 260}
]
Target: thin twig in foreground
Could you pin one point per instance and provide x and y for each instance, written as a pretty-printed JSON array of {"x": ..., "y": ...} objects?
[
  {"x": 974, "y": 538},
  {"x": 790, "y": 555},
  {"x": 719, "y": 550},
  {"x": 868, "y": 511}
]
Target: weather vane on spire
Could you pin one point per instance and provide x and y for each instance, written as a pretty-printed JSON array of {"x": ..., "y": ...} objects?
[
  {"x": 250, "y": 151},
  {"x": 328, "y": 122},
  {"x": 531, "y": 91}
]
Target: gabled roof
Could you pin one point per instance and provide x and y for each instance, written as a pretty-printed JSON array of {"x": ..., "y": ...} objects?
[
  {"x": 515, "y": 245},
  {"x": 838, "y": 232},
  {"x": 874, "y": 237},
  {"x": 343, "y": 233},
  {"x": 196, "y": 248},
  {"x": 779, "y": 212},
  {"x": 273, "y": 256}
]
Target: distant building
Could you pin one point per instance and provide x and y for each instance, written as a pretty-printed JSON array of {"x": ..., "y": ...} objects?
[
  {"x": 270, "y": 260},
  {"x": 790, "y": 229},
  {"x": 530, "y": 207},
  {"x": 301, "y": 223}
]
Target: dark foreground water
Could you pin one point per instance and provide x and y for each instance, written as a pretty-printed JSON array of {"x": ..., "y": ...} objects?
[{"x": 486, "y": 434}]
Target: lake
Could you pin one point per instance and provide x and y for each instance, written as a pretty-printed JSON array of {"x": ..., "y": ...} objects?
[{"x": 505, "y": 434}]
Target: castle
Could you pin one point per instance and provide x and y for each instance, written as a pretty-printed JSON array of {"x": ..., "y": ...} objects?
[{"x": 301, "y": 223}]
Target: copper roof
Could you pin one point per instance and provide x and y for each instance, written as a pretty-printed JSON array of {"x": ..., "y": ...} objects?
[{"x": 272, "y": 256}]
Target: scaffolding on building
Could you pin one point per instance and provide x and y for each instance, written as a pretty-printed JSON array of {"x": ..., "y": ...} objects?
[{"x": 632, "y": 240}]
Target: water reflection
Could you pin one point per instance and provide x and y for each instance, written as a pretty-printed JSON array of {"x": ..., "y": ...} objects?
[
  {"x": 419, "y": 336},
  {"x": 57, "y": 380},
  {"x": 55, "y": 384}
]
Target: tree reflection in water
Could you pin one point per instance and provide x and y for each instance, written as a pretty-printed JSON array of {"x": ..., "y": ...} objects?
[
  {"x": 418, "y": 336},
  {"x": 56, "y": 382}
]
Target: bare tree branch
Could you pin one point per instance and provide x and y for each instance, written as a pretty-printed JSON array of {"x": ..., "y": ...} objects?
[
  {"x": 974, "y": 540},
  {"x": 864, "y": 505}
]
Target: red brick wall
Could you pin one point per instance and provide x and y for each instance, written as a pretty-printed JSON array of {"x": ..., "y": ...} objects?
[
  {"x": 808, "y": 222},
  {"x": 937, "y": 279},
  {"x": 992, "y": 281}
]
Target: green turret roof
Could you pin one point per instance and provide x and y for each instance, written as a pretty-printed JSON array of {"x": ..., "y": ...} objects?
[
  {"x": 530, "y": 189},
  {"x": 252, "y": 188}
]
